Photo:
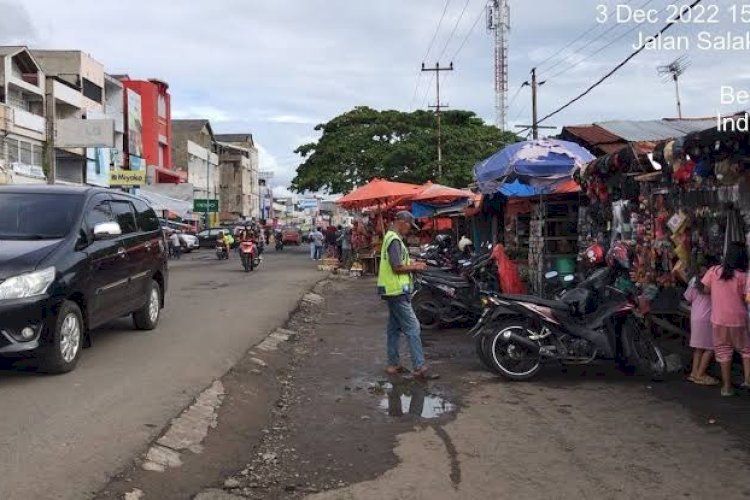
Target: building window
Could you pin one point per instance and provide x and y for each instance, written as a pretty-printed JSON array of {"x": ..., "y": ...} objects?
[
  {"x": 25, "y": 150},
  {"x": 13, "y": 154},
  {"x": 161, "y": 105},
  {"x": 37, "y": 155},
  {"x": 92, "y": 90}
]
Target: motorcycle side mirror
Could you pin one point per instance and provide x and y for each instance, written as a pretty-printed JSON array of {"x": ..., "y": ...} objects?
[
  {"x": 552, "y": 275},
  {"x": 569, "y": 278}
]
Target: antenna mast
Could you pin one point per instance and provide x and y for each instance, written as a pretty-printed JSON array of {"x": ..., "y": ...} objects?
[
  {"x": 674, "y": 71},
  {"x": 498, "y": 23}
]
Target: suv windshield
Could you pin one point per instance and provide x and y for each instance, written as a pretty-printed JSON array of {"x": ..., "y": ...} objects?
[{"x": 37, "y": 216}]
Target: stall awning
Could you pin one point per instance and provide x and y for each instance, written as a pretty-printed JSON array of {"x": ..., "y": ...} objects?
[
  {"x": 519, "y": 190},
  {"x": 160, "y": 203}
]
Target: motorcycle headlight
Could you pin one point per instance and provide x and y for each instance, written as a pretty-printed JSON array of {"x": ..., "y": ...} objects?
[{"x": 27, "y": 285}]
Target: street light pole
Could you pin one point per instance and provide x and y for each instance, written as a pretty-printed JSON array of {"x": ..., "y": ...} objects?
[{"x": 208, "y": 185}]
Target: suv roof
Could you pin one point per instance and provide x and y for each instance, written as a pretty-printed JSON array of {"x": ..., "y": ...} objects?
[{"x": 49, "y": 189}]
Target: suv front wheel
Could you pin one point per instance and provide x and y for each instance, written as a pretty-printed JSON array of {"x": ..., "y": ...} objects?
[
  {"x": 147, "y": 317},
  {"x": 64, "y": 349}
]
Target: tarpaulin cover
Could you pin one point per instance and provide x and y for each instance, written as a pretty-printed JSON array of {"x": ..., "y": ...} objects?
[
  {"x": 429, "y": 210},
  {"x": 437, "y": 193},
  {"x": 517, "y": 189},
  {"x": 531, "y": 162},
  {"x": 378, "y": 192},
  {"x": 507, "y": 272}
]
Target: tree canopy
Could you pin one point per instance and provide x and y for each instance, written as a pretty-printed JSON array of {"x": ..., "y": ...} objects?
[{"x": 364, "y": 143}]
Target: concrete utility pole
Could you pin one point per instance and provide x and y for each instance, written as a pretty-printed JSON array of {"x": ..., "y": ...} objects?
[
  {"x": 534, "y": 106},
  {"x": 438, "y": 107},
  {"x": 51, "y": 119}
]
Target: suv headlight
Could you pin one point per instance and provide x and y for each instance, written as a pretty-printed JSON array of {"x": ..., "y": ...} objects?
[{"x": 27, "y": 285}]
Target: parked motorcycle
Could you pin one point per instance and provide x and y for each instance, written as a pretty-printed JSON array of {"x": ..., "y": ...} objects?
[
  {"x": 517, "y": 334},
  {"x": 249, "y": 255},
  {"x": 444, "y": 299}
]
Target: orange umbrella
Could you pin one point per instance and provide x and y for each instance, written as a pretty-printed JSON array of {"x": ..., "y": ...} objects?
[
  {"x": 442, "y": 194},
  {"x": 377, "y": 192}
]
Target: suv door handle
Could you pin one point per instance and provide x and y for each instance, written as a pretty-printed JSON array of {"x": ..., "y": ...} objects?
[{"x": 121, "y": 252}]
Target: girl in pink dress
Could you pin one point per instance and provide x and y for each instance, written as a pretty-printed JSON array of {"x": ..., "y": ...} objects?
[
  {"x": 727, "y": 284},
  {"x": 701, "y": 334}
]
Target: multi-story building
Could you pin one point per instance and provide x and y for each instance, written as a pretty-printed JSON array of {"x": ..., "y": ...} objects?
[
  {"x": 22, "y": 123},
  {"x": 238, "y": 182},
  {"x": 101, "y": 160},
  {"x": 76, "y": 82},
  {"x": 148, "y": 109},
  {"x": 195, "y": 157}
]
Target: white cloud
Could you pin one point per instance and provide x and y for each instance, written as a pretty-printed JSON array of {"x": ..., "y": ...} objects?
[
  {"x": 213, "y": 114},
  {"x": 293, "y": 119}
]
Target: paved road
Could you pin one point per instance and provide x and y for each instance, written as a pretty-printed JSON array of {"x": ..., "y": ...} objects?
[{"x": 63, "y": 437}]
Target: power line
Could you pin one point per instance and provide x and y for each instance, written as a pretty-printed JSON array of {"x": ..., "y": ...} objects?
[
  {"x": 427, "y": 54},
  {"x": 614, "y": 70},
  {"x": 455, "y": 28},
  {"x": 600, "y": 50},
  {"x": 470, "y": 32},
  {"x": 611, "y": 29}
]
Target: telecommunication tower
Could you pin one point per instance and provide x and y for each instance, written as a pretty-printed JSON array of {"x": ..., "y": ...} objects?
[
  {"x": 673, "y": 71},
  {"x": 498, "y": 23}
]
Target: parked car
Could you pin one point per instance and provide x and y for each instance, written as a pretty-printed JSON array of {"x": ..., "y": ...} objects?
[
  {"x": 72, "y": 259},
  {"x": 291, "y": 236},
  {"x": 189, "y": 242}
]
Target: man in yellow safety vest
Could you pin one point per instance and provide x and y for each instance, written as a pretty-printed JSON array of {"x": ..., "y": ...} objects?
[{"x": 395, "y": 286}]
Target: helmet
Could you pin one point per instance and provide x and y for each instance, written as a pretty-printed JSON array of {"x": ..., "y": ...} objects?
[
  {"x": 594, "y": 255},
  {"x": 619, "y": 255},
  {"x": 443, "y": 240},
  {"x": 463, "y": 243}
]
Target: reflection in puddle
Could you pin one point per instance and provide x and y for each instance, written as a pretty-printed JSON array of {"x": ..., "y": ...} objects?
[{"x": 413, "y": 399}]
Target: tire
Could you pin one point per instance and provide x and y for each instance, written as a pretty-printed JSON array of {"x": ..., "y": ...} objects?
[
  {"x": 503, "y": 354},
  {"x": 246, "y": 264},
  {"x": 481, "y": 347},
  {"x": 641, "y": 350},
  {"x": 427, "y": 319},
  {"x": 66, "y": 342},
  {"x": 147, "y": 317}
]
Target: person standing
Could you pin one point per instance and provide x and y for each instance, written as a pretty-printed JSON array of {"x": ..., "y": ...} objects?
[
  {"x": 345, "y": 243},
  {"x": 318, "y": 240},
  {"x": 395, "y": 286},
  {"x": 727, "y": 286},
  {"x": 701, "y": 334}
]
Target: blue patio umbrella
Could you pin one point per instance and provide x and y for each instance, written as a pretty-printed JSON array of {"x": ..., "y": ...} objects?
[{"x": 536, "y": 163}]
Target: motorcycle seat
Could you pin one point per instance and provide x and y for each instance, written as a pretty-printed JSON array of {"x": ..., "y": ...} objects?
[
  {"x": 552, "y": 304},
  {"x": 446, "y": 279}
]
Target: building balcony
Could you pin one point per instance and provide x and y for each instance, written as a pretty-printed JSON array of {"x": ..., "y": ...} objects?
[
  {"x": 26, "y": 86},
  {"x": 29, "y": 121},
  {"x": 68, "y": 95}
]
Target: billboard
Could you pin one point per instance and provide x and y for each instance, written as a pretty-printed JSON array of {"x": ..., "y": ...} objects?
[
  {"x": 135, "y": 124},
  {"x": 127, "y": 178},
  {"x": 99, "y": 162},
  {"x": 79, "y": 133}
]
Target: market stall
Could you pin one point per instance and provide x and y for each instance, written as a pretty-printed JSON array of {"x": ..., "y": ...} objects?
[
  {"x": 540, "y": 204},
  {"x": 678, "y": 208}
]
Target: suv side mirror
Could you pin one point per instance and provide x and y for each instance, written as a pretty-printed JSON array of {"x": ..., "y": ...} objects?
[{"x": 106, "y": 231}]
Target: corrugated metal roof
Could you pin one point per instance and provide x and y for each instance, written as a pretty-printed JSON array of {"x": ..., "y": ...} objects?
[
  {"x": 594, "y": 137},
  {"x": 656, "y": 130}
]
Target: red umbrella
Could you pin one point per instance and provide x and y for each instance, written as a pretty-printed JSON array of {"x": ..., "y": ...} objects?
[
  {"x": 438, "y": 193},
  {"x": 378, "y": 192}
]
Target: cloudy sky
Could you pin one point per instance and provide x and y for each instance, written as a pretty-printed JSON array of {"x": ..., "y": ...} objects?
[{"x": 277, "y": 67}]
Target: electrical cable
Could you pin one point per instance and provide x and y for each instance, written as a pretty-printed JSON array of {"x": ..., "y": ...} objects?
[
  {"x": 455, "y": 28},
  {"x": 429, "y": 49},
  {"x": 613, "y": 71},
  {"x": 469, "y": 33},
  {"x": 611, "y": 29}
]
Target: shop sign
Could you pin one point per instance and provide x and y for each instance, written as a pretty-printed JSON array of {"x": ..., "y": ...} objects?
[
  {"x": 127, "y": 178},
  {"x": 203, "y": 205}
]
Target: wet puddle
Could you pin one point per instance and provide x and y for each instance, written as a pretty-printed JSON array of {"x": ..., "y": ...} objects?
[{"x": 413, "y": 399}]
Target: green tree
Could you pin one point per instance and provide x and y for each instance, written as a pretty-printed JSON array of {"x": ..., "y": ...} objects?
[{"x": 364, "y": 143}]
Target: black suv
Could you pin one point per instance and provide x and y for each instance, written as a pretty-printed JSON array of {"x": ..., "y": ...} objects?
[{"x": 72, "y": 259}]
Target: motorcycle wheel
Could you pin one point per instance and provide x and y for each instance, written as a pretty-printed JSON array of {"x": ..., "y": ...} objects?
[
  {"x": 642, "y": 351},
  {"x": 481, "y": 347},
  {"x": 509, "y": 360},
  {"x": 425, "y": 306},
  {"x": 245, "y": 264}
]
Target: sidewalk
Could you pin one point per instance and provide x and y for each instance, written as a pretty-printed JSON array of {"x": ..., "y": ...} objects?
[{"x": 339, "y": 432}]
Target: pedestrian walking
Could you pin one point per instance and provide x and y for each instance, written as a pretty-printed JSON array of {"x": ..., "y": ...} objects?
[
  {"x": 395, "y": 285},
  {"x": 701, "y": 332},
  {"x": 175, "y": 245},
  {"x": 727, "y": 285}
]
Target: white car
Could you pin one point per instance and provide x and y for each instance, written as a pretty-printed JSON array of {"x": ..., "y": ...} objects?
[{"x": 189, "y": 242}]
